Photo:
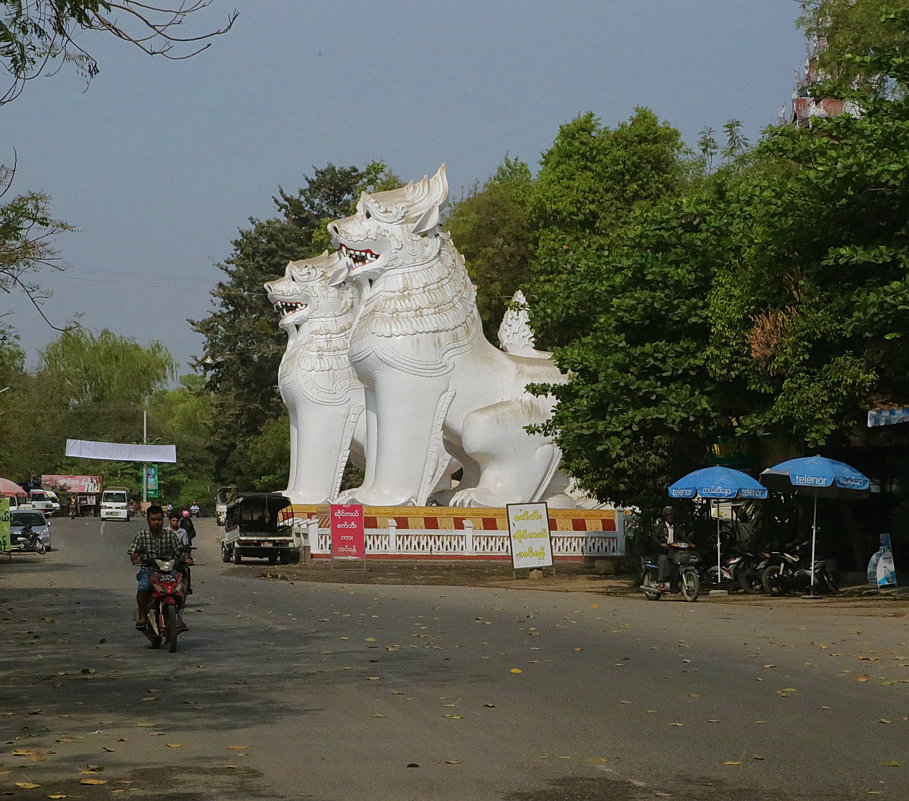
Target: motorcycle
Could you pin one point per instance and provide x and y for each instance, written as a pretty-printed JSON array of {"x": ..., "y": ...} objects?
[
  {"x": 684, "y": 579},
  {"x": 29, "y": 540},
  {"x": 164, "y": 620},
  {"x": 790, "y": 571},
  {"x": 736, "y": 572}
]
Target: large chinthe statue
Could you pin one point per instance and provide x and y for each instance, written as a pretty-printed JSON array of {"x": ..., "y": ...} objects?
[
  {"x": 435, "y": 388},
  {"x": 323, "y": 396}
]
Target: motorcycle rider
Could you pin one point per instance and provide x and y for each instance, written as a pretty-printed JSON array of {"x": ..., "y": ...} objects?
[
  {"x": 666, "y": 536},
  {"x": 152, "y": 543}
]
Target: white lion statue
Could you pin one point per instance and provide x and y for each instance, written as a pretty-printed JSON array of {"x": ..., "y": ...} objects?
[
  {"x": 434, "y": 385},
  {"x": 323, "y": 395}
]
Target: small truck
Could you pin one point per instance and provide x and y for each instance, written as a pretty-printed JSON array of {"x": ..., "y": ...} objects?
[{"x": 259, "y": 525}]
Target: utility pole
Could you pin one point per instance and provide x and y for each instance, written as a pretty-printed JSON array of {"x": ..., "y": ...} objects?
[{"x": 144, "y": 464}]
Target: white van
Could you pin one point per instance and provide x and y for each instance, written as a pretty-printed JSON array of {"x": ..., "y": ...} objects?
[
  {"x": 115, "y": 504},
  {"x": 45, "y": 500}
]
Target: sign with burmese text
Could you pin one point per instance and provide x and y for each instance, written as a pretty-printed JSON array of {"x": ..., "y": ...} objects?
[
  {"x": 347, "y": 538},
  {"x": 4, "y": 524},
  {"x": 528, "y": 527}
]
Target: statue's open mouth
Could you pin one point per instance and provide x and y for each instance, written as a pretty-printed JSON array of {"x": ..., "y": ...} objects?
[
  {"x": 358, "y": 258},
  {"x": 285, "y": 307}
]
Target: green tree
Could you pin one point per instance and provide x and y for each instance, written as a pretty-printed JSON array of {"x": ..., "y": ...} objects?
[
  {"x": 35, "y": 33},
  {"x": 863, "y": 51},
  {"x": 183, "y": 417},
  {"x": 26, "y": 233},
  {"x": 14, "y": 383},
  {"x": 94, "y": 387},
  {"x": 491, "y": 227},
  {"x": 810, "y": 313},
  {"x": 621, "y": 290},
  {"x": 592, "y": 181},
  {"x": 243, "y": 344}
]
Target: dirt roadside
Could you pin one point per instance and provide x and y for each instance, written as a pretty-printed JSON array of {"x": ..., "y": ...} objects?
[{"x": 565, "y": 577}]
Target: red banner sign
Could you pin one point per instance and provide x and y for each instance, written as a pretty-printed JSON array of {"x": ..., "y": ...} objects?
[
  {"x": 347, "y": 538},
  {"x": 72, "y": 483}
]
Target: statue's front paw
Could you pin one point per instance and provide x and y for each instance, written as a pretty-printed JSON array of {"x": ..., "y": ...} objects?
[
  {"x": 370, "y": 496},
  {"x": 477, "y": 496}
]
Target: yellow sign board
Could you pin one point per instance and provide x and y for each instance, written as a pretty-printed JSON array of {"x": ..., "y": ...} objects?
[{"x": 4, "y": 524}]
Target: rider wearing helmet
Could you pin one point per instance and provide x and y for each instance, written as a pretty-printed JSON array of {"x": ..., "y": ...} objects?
[{"x": 186, "y": 523}]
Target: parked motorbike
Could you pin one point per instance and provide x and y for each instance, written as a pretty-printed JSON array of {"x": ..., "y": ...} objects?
[
  {"x": 164, "y": 620},
  {"x": 28, "y": 540},
  {"x": 684, "y": 577},
  {"x": 738, "y": 571},
  {"x": 789, "y": 571}
]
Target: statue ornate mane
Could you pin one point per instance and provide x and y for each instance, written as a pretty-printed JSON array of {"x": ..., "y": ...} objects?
[
  {"x": 437, "y": 387},
  {"x": 323, "y": 396}
]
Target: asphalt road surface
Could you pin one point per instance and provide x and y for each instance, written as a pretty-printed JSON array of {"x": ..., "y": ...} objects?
[{"x": 334, "y": 692}]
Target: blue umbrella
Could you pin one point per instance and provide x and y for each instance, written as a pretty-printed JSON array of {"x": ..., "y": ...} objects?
[
  {"x": 721, "y": 483},
  {"x": 820, "y": 476},
  {"x": 717, "y": 482}
]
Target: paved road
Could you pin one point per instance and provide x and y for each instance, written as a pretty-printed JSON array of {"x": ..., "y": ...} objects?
[{"x": 287, "y": 690}]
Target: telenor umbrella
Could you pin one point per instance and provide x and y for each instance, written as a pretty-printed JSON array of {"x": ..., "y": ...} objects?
[
  {"x": 721, "y": 483},
  {"x": 822, "y": 477}
]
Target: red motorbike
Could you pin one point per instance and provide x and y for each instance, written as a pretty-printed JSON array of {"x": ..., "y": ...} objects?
[{"x": 165, "y": 610}]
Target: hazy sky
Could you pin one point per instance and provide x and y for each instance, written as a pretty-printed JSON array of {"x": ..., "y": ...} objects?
[{"x": 158, "y": 164}]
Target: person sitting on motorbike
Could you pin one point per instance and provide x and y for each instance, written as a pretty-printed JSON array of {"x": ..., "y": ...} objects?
[
  {"x": 176, "y": 527},
  {"x": 666, "y": 536},
  {"x": 152, "y": 543}
]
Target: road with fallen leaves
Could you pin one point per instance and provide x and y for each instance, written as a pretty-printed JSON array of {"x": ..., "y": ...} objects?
[{"x": 331, "y": 692}]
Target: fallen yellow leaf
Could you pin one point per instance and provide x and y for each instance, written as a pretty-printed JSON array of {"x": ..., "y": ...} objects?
[
  {"x": 516, "y": 670},
  {"x": 27, "y": 785},
  {"x": 732, "y": 762},
  {"x": 93, "y": 781},
  {"x": 237, "y": 747},
  {"x": 175, "y": 745}
]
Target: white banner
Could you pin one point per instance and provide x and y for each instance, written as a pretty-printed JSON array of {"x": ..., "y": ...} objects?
[
  {"x": 120, "y": 451},
  {"x": 528, "y": 526}
]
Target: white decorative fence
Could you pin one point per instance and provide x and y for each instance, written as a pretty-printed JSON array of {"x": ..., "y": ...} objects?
[{"x": 436, "y": 532}]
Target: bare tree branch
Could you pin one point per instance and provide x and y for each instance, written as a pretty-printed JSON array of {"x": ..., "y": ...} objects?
[{"x": 34, "y": 33}]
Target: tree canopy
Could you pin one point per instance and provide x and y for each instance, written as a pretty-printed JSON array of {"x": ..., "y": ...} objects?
[{"x": 491, "y": 227}]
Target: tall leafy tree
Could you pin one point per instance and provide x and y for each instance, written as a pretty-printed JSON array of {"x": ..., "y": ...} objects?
[
  {"x": 591, "y": 183},
  {"x": 182, "y": 417},
  {"x": 620, "y": 291},
  {"x": 243, "y": 344},
  {"x": 87, "y": 386},
  {"x": 811, "y": 313},
  {"x": 862, "y": 48},
  {"x": 492, "y": 229}
]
